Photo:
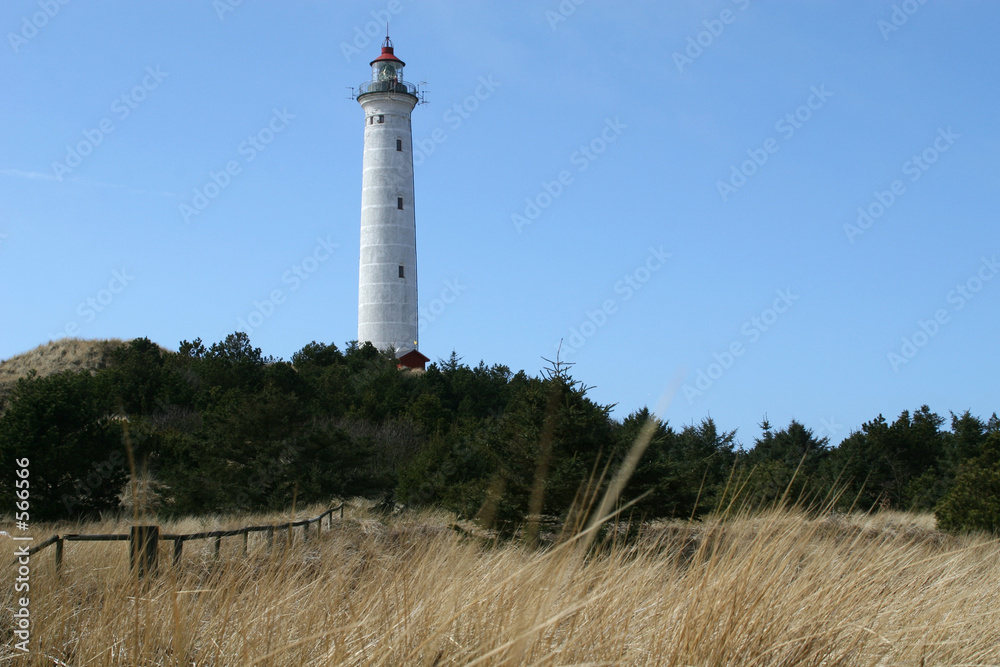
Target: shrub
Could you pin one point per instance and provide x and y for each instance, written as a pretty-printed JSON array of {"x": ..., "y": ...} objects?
[{"x": 973, "y": 502}]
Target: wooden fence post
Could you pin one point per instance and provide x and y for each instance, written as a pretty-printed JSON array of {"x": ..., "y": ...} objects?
[
  {"x": 246, "y": 539},
  {"x": 270, "y": 538},
  {"x": 178, "y": 549},
  {"x": 218, "y": 545},
  {"x": 143, "y": 544},
  {"x": 59, "y": 554}
]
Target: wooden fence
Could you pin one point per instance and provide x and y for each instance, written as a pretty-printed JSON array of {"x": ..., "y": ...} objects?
[{"x": 144, "y": 540}]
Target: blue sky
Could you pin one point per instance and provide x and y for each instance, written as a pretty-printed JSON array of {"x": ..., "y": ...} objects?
[{"x": 783, "y": 208}]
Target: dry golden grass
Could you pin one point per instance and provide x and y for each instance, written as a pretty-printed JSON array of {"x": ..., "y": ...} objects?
[
  {"x": 72, "y": 354},
  {"x": 775, "y": 588}
]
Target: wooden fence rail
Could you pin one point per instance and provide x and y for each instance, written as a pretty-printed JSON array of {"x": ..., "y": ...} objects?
[{"x": 144, "y": 540}]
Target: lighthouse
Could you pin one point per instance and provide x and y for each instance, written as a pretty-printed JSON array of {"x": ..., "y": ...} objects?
[{"x": 387, "y": 289}]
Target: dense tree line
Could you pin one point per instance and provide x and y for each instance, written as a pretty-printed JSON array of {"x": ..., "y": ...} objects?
[{"x": 224, "y": 428}]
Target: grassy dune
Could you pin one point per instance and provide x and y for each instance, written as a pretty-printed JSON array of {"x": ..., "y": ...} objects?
[
  {"x": 72, "y": 354},
  {"x": 777, "y": 588}
]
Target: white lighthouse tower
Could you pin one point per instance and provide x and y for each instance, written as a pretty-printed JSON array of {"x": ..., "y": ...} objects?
[{"x": 387, "y": 291}]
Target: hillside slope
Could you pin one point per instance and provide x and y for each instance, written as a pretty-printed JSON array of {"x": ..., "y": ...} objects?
[{"x": 65, "y": 354}]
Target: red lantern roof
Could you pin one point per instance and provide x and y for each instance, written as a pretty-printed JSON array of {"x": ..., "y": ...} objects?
[{"x": 387, "y": 53}]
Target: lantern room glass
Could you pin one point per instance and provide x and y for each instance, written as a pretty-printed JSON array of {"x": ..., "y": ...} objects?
[{"x": 387, "y": 70}]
